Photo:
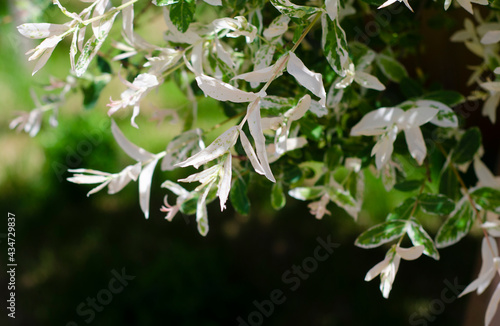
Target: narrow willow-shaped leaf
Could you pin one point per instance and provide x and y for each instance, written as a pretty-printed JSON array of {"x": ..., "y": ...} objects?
[
  {"x": 94, "y": 44},
  {"x": 310, "y": 80},
  {"x": 180, "y": 147},
  {"x": 145, "y": 179},
  {"x": 487, "y": 198},
  {"x": 403, "y": 211},
  {"x": 132, "y": 150},
  {"x": 419, "y": 237},
  {"x": 334, "y": 45},
  {"x": 238, "y": 196},
  {"x": 217, "y": 148},
  {"x": 391, "y": 68},
  {"x": 436, "y": 204},
  {"x": 456, "y": 226},
  {"x": 467, "y": 146},
  {"x": 278, "y": 199},
  {"x": 448, "y": 183},
  {"x": 288, "y": 8},
  {"x": 381, "y": 233},
  {"x": 222, "y": 91},
  {"x": 255, "y": 126}
]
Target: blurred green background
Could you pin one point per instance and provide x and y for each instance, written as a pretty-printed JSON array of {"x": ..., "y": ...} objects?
[{"x": 67, "y": 245}]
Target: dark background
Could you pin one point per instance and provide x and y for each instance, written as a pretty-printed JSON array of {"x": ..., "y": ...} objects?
[{"x": 67, "y": 245}]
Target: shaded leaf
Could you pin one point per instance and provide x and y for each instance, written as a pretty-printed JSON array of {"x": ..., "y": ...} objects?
[
  {"x": 278, "y": 199},
  {"x": 467, "y": 146},
  {"x": 436, "y": 204},
  {"x": 487, "y": 198},
  {"x": 238, "y": 196}
]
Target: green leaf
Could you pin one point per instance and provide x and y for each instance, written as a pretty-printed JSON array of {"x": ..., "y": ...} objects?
[
  {"x": 403, "y": 211},
  {"x": 236, "y": 5},
  {"x": 292, "y": 174},
  {"x": 91, "y": 94},
  {"x": 419, "y": 237},
  {"x": 391, "y": 68},
  {"x": 467, "y": 146},
  {"x": 333, "y": 157},
  {"x": 334, "y": 45},
  {"x": 448, "y": 184},
  {"x": 278, "y": 199},
  {"x": 164, "y": 2},
  {"x": 381, "y": 233},
  {"x": 408, "y": 185},
  {"x": 293, "y": 10},
  {"x": 436, "y": 204},
  {"x": 450, "y": 98},
  {"x": 375, "y": 3},
  {"x": 410, "y": 88},
  {"x": 487, "y": 198},
  {"x": 306, "y": 193},
  {"x": 182, "y": 14},
  {"x": 188, "y": 207},
  {"x": 238, "y": 196},
  {"x": 456, "y": 226}
]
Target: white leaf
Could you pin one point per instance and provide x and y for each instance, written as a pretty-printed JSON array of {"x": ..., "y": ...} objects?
[
  {"x": 41, "y": 30},
  {"x": 175, "y": 188},
  {"x": 490, "y": 107},
  {"x": 277, "y": 27},
  {"x": 119, "y": 181},
  {"x": 310, "y": 80},
  {"x": 410, "y": 253},
  {"x": 484, "y": 175},
  {"x": 178, "y": 149},
  {"x": 254, "y": 124},
  {"x": 377, "y": 269},
  {"x": 416, "y": 117},
  {"x": 224, "y": 185},
  {"x": 384, "y": 147},
  {"x": 214, "y": 2},
  {"x": 491, "y": 37},
  {"x": 492, "y": 306},
  {"x": 201, "y": 211},
  {"x": 223, "y": 54},
  {"x": 445, "y": 117},
  {"x": 128, "y": 21},
  {"x": 145, "y": 180},
  {"x": 416, "y": 144},
  {"x": 94, "y": 44},
  {"x": 137, "y": 153},
  {"x": 332, "y": 8},
  {"x": 87, "y": 179},
  {"x": 318, "y": 109},
  {"x": 263, "y": 75},
  {"x": 376, "y": 122},
  {"x": 368, "y": 81},
  {"x": 217, "y": 148},
  {"x": 388, "y": 275},
  {"x": 223, "y": 91},
  {"x": 204, "y": 176},
  {"x": 298, "y": 111},
  {"x": 491, "y": 86},
  {"x": 247, "y": 146}
]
